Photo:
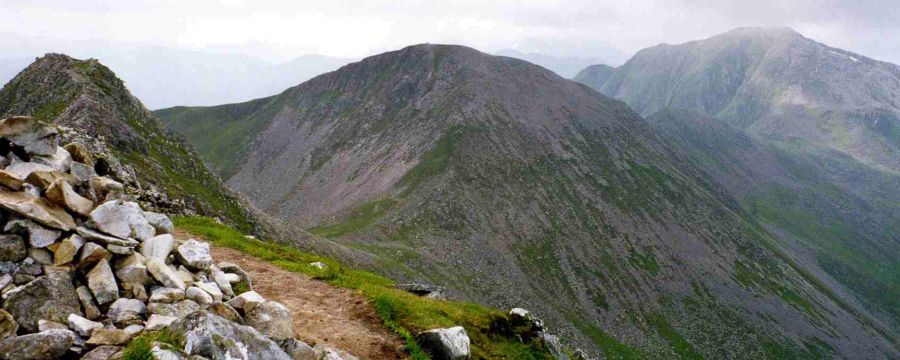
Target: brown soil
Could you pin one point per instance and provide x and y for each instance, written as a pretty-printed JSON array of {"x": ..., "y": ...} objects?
[{"x": 323, "y": 314}]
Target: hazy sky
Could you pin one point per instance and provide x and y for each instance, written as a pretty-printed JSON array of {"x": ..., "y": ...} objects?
[{"x": 278, "y": 30}]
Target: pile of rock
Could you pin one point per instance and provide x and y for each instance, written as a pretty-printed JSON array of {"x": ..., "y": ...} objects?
[{"x": 83, "y": 270}]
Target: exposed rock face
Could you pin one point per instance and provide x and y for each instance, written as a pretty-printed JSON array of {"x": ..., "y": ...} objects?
[
  {"x": 45, "y": 345},
  {"x": 50, "y": 297},
  {"x": 445, "y": 344},
  {"x": 204, "y": 333},
  {"x": 124, "y": 312}
]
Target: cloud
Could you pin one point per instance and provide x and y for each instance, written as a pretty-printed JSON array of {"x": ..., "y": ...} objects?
[{"x": 269, "y": 28}]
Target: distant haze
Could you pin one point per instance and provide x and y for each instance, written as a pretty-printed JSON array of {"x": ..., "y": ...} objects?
[{"x": 237, "y": 50}]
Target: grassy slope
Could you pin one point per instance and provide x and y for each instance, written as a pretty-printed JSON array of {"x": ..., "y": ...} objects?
[
  {"x": 221, "y": 133},
  {"x": 402, "y": 312}
]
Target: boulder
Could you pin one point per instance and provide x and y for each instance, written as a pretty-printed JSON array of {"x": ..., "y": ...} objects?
[
  {"x": 67, "y": 249},
  {"x": 135, "y": 291},
  {"x": 62, "y": 194},
  {"x": 226, "y": 311},
  {"x": 553, "y": 346},
  {"x": 210, "y": 288},
  {"x": 424, "y": 290},
  {"x": 106, "y": 336},
  {"x": 445, "y": 344},
  {"x": 41, "y": 256},
  {"x": 131, "y": 269},
  {"x": 82, "y": 326},
  {"x": 80, "y": 153},
  {"x": 231, "y": 268},
  {"x": 59, "y": 159},
  {"x": 106, "y": 186},
  {"x": 222, "y": 281},
  {"x": 50, "y": 297},
  {"x": 246, "y": 301},
  {"x": 325, "y": 352},
  {"x": 105, "y": 352},
  {"x": 194, "y": 255},
  {"x": 127, "y": 312},
  {"x": 178, "y": 309},
  {"x": 199, "y": 296},
  {"x": 159, "y": 246},
  {"x": 160, "y": 222},
  {"x": 105, "y": 239},
  {"x": 10, "y": 180},
  {"x": 43, "y": 179},
  {"x": 102, "y": 283},
  {"x": 164, "y": 274},
  {"x": 44, "y": 325},
  {"x": 82, "y": 173},
  {"x": 21, "y": 170},
  {"x": 38, "y": 236},
  {"x": 92, "y": 253},
  {"x": 122, "y": 219},
  {"x": 297, "y": 349},
  {"x": 8, "y": 325},
  {"x": 166, "y": 295},
  {"x": 159, "y": 322},
  {"x": 37, "y": 209},
  {"x": 162, "y": 351},
  {"x": 271, "y": 319},
  {"x": 12, "y": 248},
  {"x": 204, "y": 334},
  {"x": 45, "y": 345},
  {"x": 86, "y": 299}
]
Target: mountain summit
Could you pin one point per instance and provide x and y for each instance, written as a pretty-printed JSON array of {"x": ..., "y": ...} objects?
[
  {"x": 773, "y": 82},
  {"x": 508, "y": 184},
  {"x": 93, "y": 106}
]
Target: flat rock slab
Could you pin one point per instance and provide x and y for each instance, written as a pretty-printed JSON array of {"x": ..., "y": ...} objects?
[
  {"x": 37, "y": 209},
  {"x": 122, "y": 219},
  {"x": 49, "y": 345}
]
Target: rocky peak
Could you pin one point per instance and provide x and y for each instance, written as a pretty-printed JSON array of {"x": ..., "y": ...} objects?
[{"x": 92, "y": 106}]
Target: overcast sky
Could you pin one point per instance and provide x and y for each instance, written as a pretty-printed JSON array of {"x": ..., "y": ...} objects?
[{"x": 279, "y": 30}]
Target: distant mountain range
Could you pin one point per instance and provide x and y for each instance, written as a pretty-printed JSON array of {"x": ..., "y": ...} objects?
[
  {"x": 165, "y": 77},
  {"x": 772, "y": 82},
  {"x": 567, "y": 66},
  {"x": 510, "y": 184},
  {"x": 804, "y": 135}
]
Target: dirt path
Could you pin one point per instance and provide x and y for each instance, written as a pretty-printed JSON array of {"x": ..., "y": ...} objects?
[{"x": 322, "y": 313}]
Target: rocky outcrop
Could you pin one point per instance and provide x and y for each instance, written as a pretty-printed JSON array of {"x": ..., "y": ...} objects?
[
  {"x": 83, "y": 270},
  {"x": 445, "y": 344}
]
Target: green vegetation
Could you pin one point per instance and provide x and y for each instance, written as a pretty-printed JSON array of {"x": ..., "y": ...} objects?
[
  {"x": 435, "y": 160},
  {"x": 682, "y": 347},
  {"x": 612, "y": 348},
  {"x": 402, "y": 312},
  {"x": 360, "y": 218},
  {"x": 140, "y": 347},
  {"x": 222, "y": 133}
]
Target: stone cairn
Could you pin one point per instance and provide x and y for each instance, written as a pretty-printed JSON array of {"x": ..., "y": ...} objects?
[{"x": 83, "y": 271}]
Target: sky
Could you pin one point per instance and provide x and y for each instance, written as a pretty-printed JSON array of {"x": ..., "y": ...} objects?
[{"x": 276, "y": 31}]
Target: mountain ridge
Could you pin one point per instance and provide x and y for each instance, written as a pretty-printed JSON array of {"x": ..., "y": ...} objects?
[
  {"x": 772, "y": 82},
  {"x": 504, "y": 181}
]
